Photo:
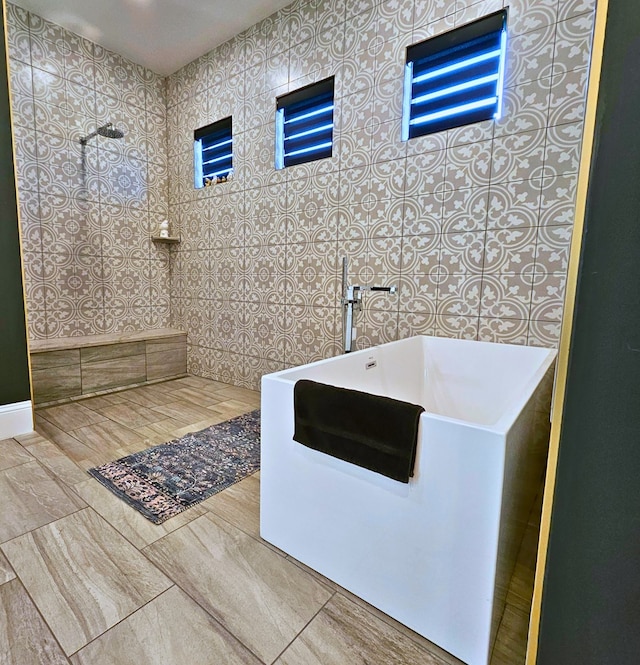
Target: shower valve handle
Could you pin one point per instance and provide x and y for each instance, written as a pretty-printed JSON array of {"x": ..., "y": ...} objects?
[{"x": 386, "y": 289}]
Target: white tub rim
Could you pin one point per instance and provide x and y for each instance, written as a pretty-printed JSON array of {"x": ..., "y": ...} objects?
[{"x": 501, "y": 425}]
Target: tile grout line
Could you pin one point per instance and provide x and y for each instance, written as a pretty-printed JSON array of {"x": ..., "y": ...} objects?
[
  {"x": 122, "y": 620},
  {"x": 37, "y": 609},
  {"x": 195, "y": 600},
  {"x": 305, "y": 626}
]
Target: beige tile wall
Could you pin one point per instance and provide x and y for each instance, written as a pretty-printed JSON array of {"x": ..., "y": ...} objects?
[
  {"x": 473, "y": 224},
  {"x": 90, "y": 266}
]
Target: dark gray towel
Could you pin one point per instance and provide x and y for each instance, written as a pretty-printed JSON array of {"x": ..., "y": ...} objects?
[{"x": 377, "y": 433}]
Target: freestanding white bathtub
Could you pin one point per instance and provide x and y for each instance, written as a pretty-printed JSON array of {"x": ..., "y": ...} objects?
[{"x": 437, "y": 553}]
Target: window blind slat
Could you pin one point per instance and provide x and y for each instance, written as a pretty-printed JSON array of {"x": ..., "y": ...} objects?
[
  {"x": 459, "y": 83},
  {"x": 305, "y": 124},
  {"x": 215, "y": 145}
]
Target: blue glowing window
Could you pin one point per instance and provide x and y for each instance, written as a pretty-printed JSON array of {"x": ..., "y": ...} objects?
[
  {"x": 456, "y": 78},
  {"x": 304, "y": 124},
  {"x": 213, "y": 152}
]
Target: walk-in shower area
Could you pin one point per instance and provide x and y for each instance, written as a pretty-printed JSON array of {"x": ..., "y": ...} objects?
[{"x": 90, "y": 140}]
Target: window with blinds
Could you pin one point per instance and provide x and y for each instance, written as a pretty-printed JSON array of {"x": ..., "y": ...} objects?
[
  {"x": 213, "y": 152},
  {"x": 456, "y": 78},
  {"x": 304, "y": 124}
]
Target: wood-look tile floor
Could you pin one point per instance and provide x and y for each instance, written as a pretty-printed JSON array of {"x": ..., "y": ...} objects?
[{"x": 85, "y": 580}]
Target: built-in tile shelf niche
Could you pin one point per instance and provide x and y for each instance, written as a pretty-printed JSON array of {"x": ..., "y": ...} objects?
[{"x": 171, "y": 240}]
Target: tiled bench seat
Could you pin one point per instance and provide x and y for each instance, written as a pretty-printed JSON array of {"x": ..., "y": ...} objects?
[{"x": 72, "y": 367}]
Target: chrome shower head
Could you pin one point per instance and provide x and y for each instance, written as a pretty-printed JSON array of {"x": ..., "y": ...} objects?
[{"x": 108, "y": 131}]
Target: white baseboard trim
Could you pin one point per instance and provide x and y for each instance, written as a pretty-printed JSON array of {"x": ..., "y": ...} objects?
[{"x": 15, "y": 419}]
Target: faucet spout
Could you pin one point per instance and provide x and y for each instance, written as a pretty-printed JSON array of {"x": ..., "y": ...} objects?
[{"x": 387, "y": 289}]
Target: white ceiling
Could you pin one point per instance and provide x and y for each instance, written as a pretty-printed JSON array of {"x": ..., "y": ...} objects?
[{"x": 162, "y": 35}]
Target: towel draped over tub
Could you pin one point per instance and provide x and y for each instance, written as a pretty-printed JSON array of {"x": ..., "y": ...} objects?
[{"x": 374, "y": 432}]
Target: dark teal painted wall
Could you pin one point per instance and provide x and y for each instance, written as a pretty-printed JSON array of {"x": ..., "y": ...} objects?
[
  {"x": 591, "y": 597},
  {"x": 14, "y": 368}
]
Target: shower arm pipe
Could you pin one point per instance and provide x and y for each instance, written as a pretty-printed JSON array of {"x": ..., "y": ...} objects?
[
  {"x": 84, "y": 139},
  {"x": 351, "y": 302}
]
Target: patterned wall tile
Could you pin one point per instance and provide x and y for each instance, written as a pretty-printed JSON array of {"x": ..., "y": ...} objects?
[
  {"x": 254, "y": 368},
  {"x": 422, "y": 214},
  {"x": 388, "y": 179},
  {"x": 48, "y": 87},
  {"x": 386, "y": 144},
  {"x": 528, "y": 15},
  {"x": 568, "y": 97},
  {"x": 375, "y": 327},
  {"x": 547, "y": 299},
  {"x": 80, "y": 109},
  {"x": 515, "y": 204},
  {"x": 468, "y": 165},
  {"x": 385, "y": 218},
  {"x": 432, "y": 143},
  {"x": 465, "y": 209},
  {"x": 479, "y": 131},
  {"x": 416, "y": 323},
  {"x": 509, "y": 331},
  {"x": 312, "y": 334},
  {"x": 557, "y": 202},
  {"x": 23, "y": 114},
  {"x": 393, "y": 19},
  {"x": 518, "y": 156},
  {"x": 33, "y": 264},
  {"x": 573, "y": 43},
  {"x": 29, "y": 210},
  {"x": 571, "y": 8},
  {"x": 359, "y": 32},
  {"x": 418, "y": 293},
  {"x": 267, "y": 332},
  {"x": 471, "y": 11},
  {"x": 312, "y": 272},
  {"x": 530, "y": 56},
  {"x": 543, "y": 333},
  {"x": 20, "y": 79},
  {"x": 17, "y": 34},
  {"x": 510, "y": 251},
  {"x": 525, "y": 108},
  {"x": 562, "y": 149},
  {"x": 472, "y": 224},
  {"x": 425, "y": 173},
  {"x": 25, "y": 166},
  {"x": 46, "y": 55},
  {"x": 506, "y": 296},
  {"x": 356, "y": 73},
  {"x": 552, "y": 249},
  {"x": 459, "y": 295},
  {"x": 460, "y": 327},
  {"x": 428, "y": 11}
]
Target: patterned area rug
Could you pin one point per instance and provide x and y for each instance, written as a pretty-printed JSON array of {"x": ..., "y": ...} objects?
[{"x": 162, "y": 481}]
